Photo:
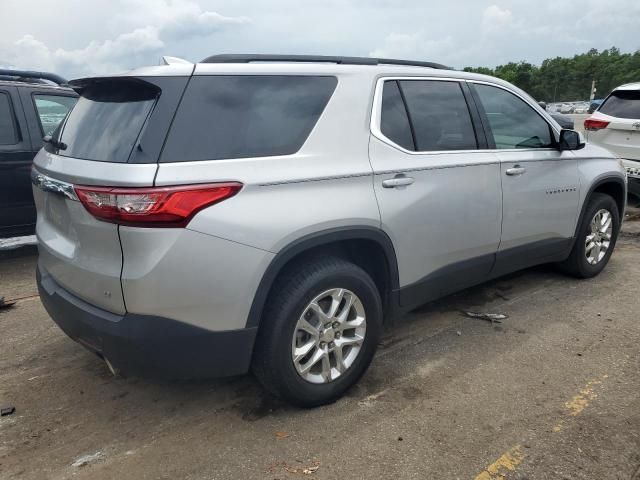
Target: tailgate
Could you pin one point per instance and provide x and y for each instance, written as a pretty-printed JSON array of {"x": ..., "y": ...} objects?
[
  {"x": 111, "y": 138},
  {"x": 622, "y": 136},
  {"x": 622, "y": 110},
  {"x": 81, "y": 253}
]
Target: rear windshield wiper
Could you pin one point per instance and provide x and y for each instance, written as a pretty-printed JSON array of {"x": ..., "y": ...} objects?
[{"x": 54, "y": 143}]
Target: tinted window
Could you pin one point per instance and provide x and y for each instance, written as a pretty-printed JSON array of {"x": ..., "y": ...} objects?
[
  {"x": 105, "y": 123},
  {"x": 7, "y": 122},
  {"x": 51, "y": 110},
  {"x": 246, "y": 116},
  {"x": 622, "y": 104},
  {"x": 394, "y": 122},
  {"x": 513, "y": 123},
  {"x": 439, "y": 114}
]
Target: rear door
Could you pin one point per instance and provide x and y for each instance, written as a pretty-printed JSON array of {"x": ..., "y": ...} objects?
[
  {"x": 17, "y": 214},
  {"x": 110, "y": 138},
  {"x": 438, "y": 191}
]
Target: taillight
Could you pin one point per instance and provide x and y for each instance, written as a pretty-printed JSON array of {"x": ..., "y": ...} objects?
[
  {"x": 154, "y": 206},
  {"x": 593, "y": 124}
]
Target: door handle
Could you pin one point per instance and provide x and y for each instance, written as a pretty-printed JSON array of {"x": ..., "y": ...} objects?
[
  {"x": 515, "y": 170},
  {"x": 399, "y": 180}
]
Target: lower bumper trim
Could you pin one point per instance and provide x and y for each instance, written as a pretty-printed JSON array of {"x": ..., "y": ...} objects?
[{"x": 146, "y": 345}]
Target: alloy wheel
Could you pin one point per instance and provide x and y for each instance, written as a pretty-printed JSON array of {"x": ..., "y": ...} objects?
[
  {"x": 328, "y": 336},
  {"x": 598, "y": 239}
]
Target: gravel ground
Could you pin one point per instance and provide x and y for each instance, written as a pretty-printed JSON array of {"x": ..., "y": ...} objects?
[{"x": 551, "y": 392}]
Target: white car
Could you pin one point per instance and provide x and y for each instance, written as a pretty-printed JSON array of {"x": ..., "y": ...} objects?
[
  {"x": 566, "y": 108},
  {"x": 616, "y": 126},
  {"x": 581, "y": 108}
]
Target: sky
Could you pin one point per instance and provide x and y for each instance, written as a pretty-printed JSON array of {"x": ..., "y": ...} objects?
[{"x": 77, "y": 38}]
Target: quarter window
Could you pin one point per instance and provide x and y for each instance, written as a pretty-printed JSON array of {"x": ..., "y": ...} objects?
[
  {"x": 394, "y": 122},
  {"x": 224, "y": 117},
  {"x": 51, "y": 110},
  {"x": 439, "y": 114},
  {"x": 8, "y": 134},
  {"x": 513, "y": 123}
]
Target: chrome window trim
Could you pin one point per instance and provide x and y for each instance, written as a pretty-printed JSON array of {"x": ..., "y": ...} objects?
[{"x": 376, "y": 115}]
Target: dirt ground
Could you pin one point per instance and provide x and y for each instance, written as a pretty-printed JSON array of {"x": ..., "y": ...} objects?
[{"x": 551, "y": 392}]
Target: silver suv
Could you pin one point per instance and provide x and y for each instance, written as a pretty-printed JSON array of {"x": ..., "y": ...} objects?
[{"x": 271, "y": 212}]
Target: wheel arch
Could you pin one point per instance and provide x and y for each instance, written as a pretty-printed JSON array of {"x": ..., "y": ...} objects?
[
  {"x": 343, "y": 241},
  {"x": 612, "y": 185}
]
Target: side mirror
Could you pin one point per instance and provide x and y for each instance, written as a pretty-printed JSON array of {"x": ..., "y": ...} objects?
[
  {"x": 571, "y": 140},
  {"x": 543, "y": 105}
]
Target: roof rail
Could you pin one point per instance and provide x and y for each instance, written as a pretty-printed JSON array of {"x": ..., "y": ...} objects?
[
  {"x": 30, "y": 74},
  {"x": 248, "y": 58}
]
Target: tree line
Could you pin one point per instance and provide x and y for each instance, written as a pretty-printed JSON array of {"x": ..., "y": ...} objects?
[{"x": 569, "y": 79}]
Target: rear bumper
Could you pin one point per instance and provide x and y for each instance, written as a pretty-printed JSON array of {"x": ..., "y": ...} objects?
[{"x": 148, "y": 345}]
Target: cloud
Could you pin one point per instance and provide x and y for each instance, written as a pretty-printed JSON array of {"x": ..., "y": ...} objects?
[
  {"x": 201, "y": 24},
  {"x": 414, "y": 46},
  {"x": 164, "y": 21},
  {"x": 116, "y": 35},
  {"x": 29, "y": 48},
  {"x": 489, "y": 34},
  {"x": 100, "y": 57},
  {"x": 496, "y": 19}
]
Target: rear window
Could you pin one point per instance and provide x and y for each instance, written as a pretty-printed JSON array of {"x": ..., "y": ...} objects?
[
  {"x": 622, "y": 104},
  {"x": 107, "y": 120},
  {"x": 224, "y": 117}
]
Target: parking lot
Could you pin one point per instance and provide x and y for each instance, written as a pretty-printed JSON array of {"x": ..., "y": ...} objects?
[{"x": 550, "y": 392}]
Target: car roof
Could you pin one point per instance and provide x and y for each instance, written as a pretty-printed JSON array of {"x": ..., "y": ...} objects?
[
  {"x": 258, "y": 64},
  {"x": 369, "y": 72},
  {"x": 628, "y": 86},
  {"x": 38, "y": 85},
  {"x": 292, "y": 67},
  {"x": 32, "y": 78}
]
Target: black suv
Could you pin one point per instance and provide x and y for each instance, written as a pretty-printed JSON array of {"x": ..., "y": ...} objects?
[{"x": 32, "y": 105}]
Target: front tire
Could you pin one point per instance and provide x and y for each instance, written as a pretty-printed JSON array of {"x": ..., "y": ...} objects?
[
  {"x": 320, "y": 330},
  {"x": 596, "y": 238}
]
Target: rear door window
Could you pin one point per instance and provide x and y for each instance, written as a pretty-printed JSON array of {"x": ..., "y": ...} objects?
[
  {"x": 439, "y": 114},
  {"x": 225, "y": 117},
  {"x": 622, "y": 104},
  {"x": 51, "y": 110},
  {"x": 8, "y": 132},
  {"x": 107, "y": 120}
]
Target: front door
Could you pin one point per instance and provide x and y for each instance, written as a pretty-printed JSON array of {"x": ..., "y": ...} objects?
[
  {"x": 438, "y": 192},
  {"x": 540, "y": 184}
]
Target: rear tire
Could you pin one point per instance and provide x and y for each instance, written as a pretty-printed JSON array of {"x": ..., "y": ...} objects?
[
  {"x": 589, "y": 256},
  {"x": 295, "y": 297}
]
